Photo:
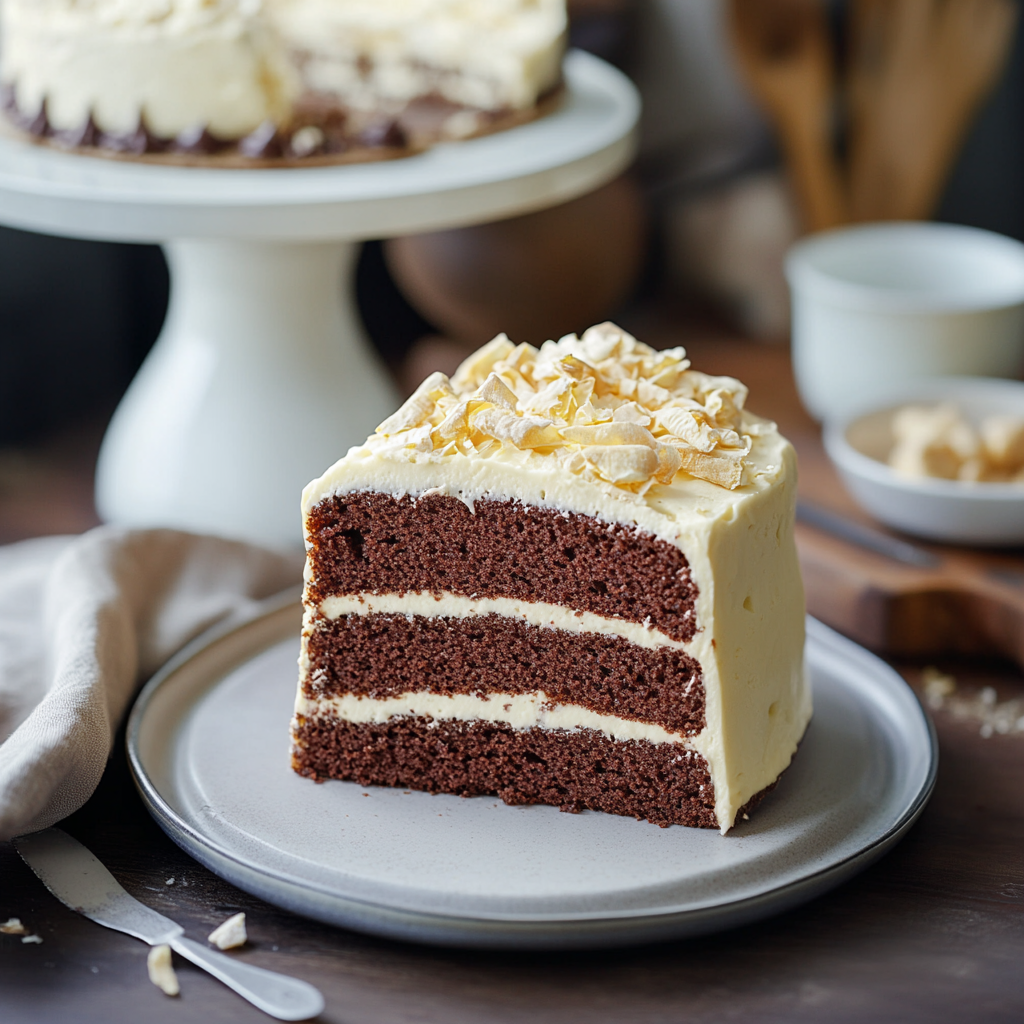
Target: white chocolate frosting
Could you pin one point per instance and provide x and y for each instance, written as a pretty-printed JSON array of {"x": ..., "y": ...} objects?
[
  {"x": 181, "y": 63},
  {"x": 231, "y": 65},
  {"x": 526, "y": 425},
  {"x": 488, "y": 54}
]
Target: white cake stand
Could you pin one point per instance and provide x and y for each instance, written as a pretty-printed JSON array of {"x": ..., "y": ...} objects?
[{"x": 262, "y": 376}]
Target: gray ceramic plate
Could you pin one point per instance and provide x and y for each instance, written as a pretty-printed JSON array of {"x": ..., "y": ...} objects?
[{"x": 208, "y": 743}]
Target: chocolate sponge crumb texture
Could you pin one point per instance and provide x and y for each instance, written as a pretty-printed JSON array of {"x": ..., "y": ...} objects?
[{"x": 564, "y": 576}]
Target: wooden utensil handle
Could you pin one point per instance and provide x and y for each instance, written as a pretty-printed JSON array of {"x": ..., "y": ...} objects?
[{"x": 901, "y": 610}]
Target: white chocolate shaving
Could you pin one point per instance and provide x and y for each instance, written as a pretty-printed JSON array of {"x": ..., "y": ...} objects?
[
  {"x": 521, "y": 431},
  {"x": 1003, "y": 440},
  {"x": 723, "y": 468},
  {"x": 622, "y": 463},
  {"x": 610, "y": 434},
  {"x": 939, "y": 441},
  {"x": 495, "y": 391},
  {"x": 229, "y": 935},
  {"x": 476, "y": 368},
  {"x": 161, "y": 970},
  {"x": 604, "y": 406}
]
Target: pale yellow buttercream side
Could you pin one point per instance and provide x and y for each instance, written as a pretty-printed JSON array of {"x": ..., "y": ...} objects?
[{"x": 750, "y": 610}]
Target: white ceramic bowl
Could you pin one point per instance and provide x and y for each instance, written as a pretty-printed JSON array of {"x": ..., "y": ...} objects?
[
  {"x": 945, "y": 510},
  {"x": 878, "y": 306}
]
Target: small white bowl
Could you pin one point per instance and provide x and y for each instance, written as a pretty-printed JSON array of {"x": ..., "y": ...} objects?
[
  {"x": 944, "y": 510},
  {"x": 878, "y": 306}
]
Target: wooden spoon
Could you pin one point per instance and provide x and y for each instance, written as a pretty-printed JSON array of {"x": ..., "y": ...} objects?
[
  {"x": 918, "y": 71},
  {"x": 785, "y": 54}
]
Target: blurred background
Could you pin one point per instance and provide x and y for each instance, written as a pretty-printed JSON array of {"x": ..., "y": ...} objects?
[{"x": 763, "y": 120}]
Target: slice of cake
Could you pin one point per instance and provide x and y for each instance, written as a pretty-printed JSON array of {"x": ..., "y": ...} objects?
[
  {"x": 259, "y": 80},
  {"x": 564, "y": 576}
]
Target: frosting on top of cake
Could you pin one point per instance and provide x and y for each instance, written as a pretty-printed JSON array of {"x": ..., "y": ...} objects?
[
  {"x": 230, "y": 66},
  {"x": 481, "y": 53},
  {"x": 445, "y": 26},
  {"x": 171, "y": 14},
  {"x": 604, "y": 406},
  {"x": 602, "y": 425}
]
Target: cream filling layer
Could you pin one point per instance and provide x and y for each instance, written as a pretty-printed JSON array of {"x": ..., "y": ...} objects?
[
  {"x": 534, "y": 613},
  {"x": 520, "y": 711}
]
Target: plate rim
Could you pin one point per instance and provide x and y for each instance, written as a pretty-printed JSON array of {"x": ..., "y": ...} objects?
[{"x": 580, "y": 931}]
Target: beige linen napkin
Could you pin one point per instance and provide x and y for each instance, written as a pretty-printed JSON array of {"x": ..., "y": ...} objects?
[{"x": 84, "y": 620}]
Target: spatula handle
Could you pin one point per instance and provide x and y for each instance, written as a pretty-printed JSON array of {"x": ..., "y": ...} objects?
[{"x": 282, "y": 997}]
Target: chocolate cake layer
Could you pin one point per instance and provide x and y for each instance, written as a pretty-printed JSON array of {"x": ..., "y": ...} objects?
[
  {"x": 570, "y": 770},
  {"x": 387, "y": 655},
  {"x": 377, "y": 543}
]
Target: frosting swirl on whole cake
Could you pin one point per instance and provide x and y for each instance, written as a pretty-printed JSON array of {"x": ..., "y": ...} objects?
[
  {"x": 176, "y": 63},
  {"x": 275, "y": 78}
]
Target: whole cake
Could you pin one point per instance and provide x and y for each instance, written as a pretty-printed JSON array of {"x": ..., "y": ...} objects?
[
  {"x": 248, "y": 80},
  {"x": 564, "y": 576}
]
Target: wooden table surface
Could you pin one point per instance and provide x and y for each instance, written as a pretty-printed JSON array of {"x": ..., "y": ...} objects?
[{"x": 933, "y": 932}]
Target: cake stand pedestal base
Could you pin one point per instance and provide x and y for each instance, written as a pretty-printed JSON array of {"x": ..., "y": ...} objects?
[{"x": 261, "y": 379}]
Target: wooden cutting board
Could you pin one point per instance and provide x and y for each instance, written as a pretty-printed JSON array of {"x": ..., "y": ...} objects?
[
  {"x": 973, "y": 603},
  {"x": 892, "y": 608}
]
